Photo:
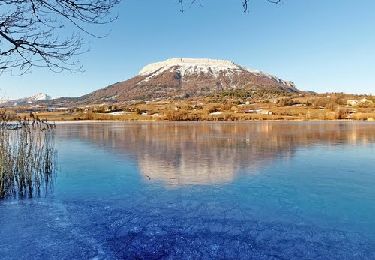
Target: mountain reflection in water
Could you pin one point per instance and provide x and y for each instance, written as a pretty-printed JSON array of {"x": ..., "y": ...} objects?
[
  {"x": 252, "y": 190},
  {"x": 213, "y": 153}
]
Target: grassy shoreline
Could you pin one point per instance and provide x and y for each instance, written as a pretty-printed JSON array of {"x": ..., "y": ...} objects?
[
  {"x": 99, "y": 117},
  {"x": 301, "y": 107},
  {"x": 61, "y": 122}
]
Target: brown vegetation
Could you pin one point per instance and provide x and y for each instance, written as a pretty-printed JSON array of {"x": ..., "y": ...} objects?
[{"x": 222, "y": 107}]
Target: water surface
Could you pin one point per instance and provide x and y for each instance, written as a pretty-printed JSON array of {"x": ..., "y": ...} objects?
[{"x": 273, "y": 190}]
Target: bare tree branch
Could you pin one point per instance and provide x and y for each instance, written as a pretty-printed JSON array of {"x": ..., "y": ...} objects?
[
  {"x": 245, "y": 3},
  {"x": 49, "y": 33},
  {"x": 38, "y": 33}
]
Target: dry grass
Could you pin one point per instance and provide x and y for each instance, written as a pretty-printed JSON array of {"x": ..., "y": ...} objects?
[
  {"x": 278, "y": 113},
  {"x": 329, "y": 106},
  {"x": 364, "y": 116},
  {"x": 27, "y": 158}
]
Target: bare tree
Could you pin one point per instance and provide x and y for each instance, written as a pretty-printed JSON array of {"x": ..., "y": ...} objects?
[
  {"x": 47, "y": 33},
  {"x": 245, "y": 3}
]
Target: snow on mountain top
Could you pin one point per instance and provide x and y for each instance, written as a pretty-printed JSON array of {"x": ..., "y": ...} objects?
[
  {"x": 39, "y": 97},
  {"x": 190, "y": 65}
]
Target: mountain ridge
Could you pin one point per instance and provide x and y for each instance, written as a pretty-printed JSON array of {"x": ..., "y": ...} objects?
[{"x": 188, "y": 77}]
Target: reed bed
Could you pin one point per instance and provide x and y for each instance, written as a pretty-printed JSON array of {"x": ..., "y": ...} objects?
[{"x": 27, "y": 158}]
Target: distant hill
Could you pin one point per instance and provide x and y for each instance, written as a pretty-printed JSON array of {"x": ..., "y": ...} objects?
[{"x": 185, "y": 77}]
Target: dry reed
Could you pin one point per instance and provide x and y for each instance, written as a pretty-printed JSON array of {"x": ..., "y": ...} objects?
[{"x": 27, "y": 158}]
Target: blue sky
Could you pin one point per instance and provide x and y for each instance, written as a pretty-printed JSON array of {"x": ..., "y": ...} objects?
[{"x": 321, "y": 45}]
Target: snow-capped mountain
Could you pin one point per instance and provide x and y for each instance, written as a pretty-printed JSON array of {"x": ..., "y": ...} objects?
[
  {"x": 26, "y": 100},
  {"x": 33, "y": 99},
  {"x": 38, "y": 97},
  {"x": 188, "y": 66},
  {"x": 186, "y": 77}
]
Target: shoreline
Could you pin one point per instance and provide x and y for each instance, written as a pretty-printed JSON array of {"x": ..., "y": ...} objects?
[{"x": 61, "y": 122}]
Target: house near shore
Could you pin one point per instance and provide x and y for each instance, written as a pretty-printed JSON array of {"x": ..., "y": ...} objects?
[
  {"x": 258, "y": 111},
  {"x": 251, "y": 111},
  {"x": 217, "y": 113},
  {"x": 265, "y": 112},
  {"x": 58, "y": 109}
]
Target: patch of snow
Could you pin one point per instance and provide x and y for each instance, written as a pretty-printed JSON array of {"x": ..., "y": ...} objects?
[{"x": 189, "y": 63}]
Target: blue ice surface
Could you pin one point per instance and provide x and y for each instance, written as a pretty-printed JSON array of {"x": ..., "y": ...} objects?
[{"x": 314, "y": 201}]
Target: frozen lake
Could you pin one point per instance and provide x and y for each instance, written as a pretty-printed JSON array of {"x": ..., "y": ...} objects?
[{"x": 254, "y": 190}]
